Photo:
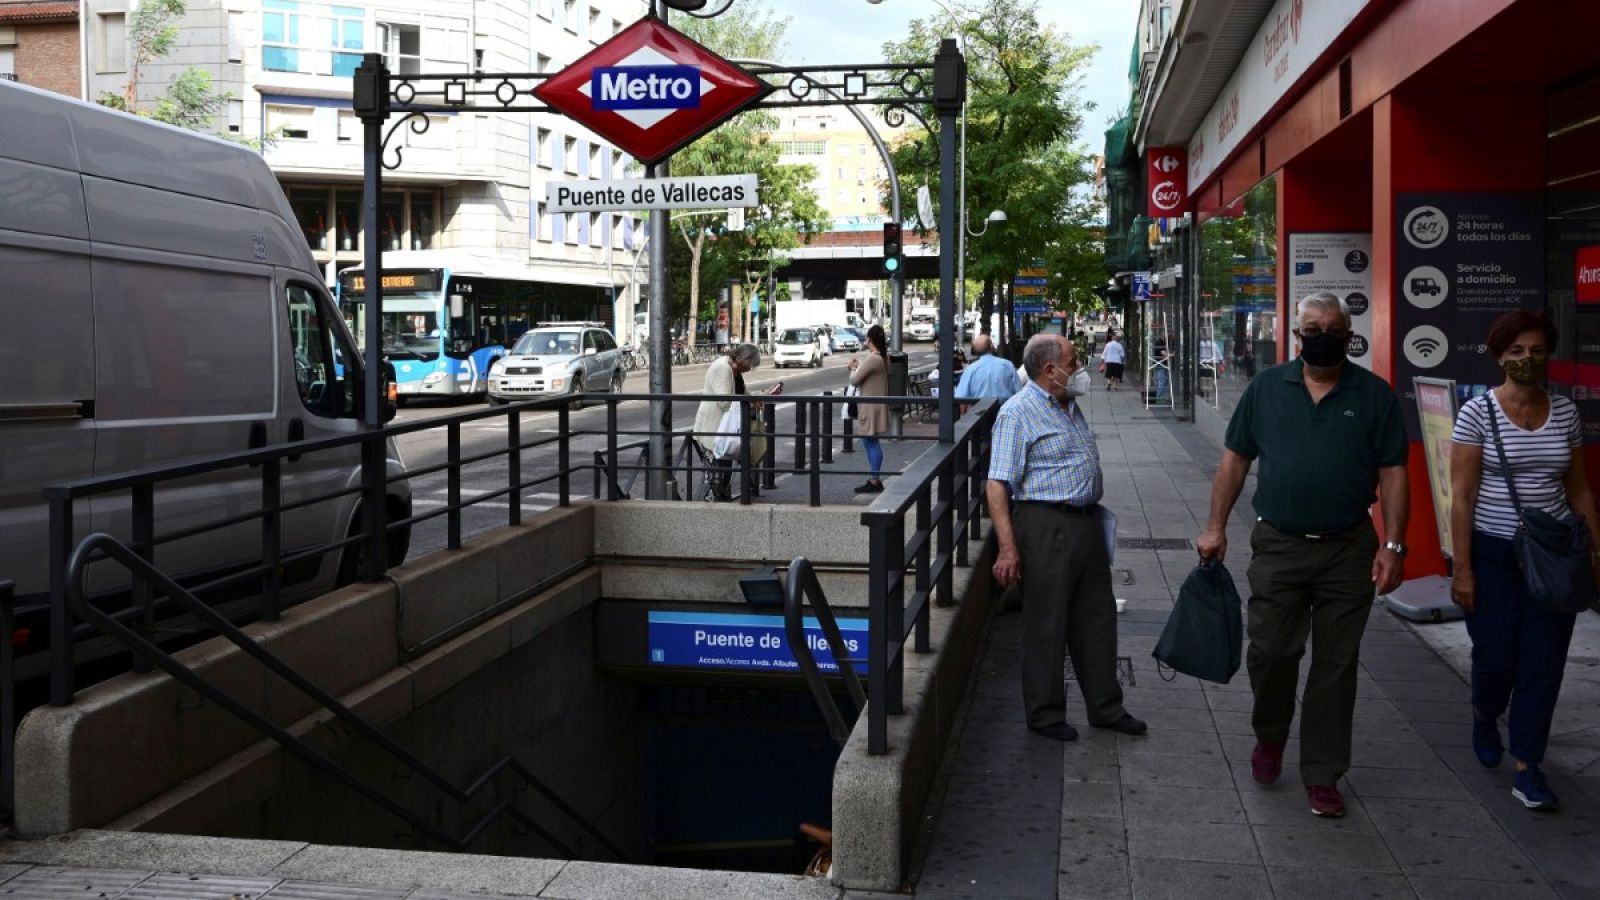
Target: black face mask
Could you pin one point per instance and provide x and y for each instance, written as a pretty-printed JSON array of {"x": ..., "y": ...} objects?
[{"x": 1323, "y": 350}]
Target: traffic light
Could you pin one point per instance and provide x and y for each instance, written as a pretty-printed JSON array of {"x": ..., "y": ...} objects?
[{"x": 891, "y": 249}]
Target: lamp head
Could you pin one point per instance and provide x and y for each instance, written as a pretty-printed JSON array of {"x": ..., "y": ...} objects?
[
  {"x": 686, "y": 5},
  {"x": 998, "y": 215}
]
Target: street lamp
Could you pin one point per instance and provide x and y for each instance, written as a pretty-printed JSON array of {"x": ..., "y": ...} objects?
[{"x": 997, "y": 215}]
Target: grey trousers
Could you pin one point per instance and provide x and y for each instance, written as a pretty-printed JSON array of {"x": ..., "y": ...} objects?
[
  {"x": 1317, "y": 589},
  {"x": 1067, "y": 604}
]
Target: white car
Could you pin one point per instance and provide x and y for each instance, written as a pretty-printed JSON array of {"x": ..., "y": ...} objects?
[
  {"x": 921, "y": 330},
  {"x": 558, "y": 358},
  {"x": 797, "y": 347}
]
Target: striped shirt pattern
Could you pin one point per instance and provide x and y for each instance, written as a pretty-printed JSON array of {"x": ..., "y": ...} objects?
[
  {"x": 1045, "y": 450},
  {"x": 1538, "y": 459}
]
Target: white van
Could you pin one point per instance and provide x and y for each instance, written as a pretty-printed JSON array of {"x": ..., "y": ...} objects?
[{"x": 160, "y": 305}]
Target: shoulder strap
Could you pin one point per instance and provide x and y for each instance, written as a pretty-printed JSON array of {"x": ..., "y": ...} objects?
[{"x": 1493, "y": 407}]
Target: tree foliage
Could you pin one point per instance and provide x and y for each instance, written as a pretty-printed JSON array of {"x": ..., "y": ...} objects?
[
  {"x": 1024, "y": 120},
  {"x": 704, "y": 249},
  {"x": 191, "y": 100}
]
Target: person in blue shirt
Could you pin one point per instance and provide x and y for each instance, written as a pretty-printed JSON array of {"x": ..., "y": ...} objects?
[{"x": 987, "y": 375}]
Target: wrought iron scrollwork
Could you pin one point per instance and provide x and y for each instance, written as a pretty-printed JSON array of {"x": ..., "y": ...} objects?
[{"x": 419, "y": 123}]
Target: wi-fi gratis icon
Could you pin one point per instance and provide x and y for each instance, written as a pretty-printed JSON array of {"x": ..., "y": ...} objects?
[{"x": 1427, "y": 346}]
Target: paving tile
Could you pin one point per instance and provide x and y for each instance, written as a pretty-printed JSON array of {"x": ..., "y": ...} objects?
[
  {"x": 1092, "y": 878},
  {"x": 1429, "y": 888},
  {"x": 1175, "y": 771},
  {"x": 1451, "y": 692},
  {"x": 1309, "y": 845},
  {"x": 1411, "y": 754},
  {"x": 1170, "y": 879},
  {"x": 1198, "y": 841},
  {"x": 9, "y": 871},
  {"x": 1170, "y": 742},
  {"x": 1170, "y": 719},
  {"x": 1093, "y": 836},
  {"x": 1417, "y": 819},
  {"x": 1338, "y": 884},
  {"x": 1146, "y": 803},
  {"x": 994, "y": 852},
  {"x": 1285, "y": 804},
  {"x": 1235, "y": 723},
  {"x": 1471, "y": 858},
  {"x": 1231, "y": 701},
  {"x": 1143, "y": 701},
  {"x": 1091, "y": 799},
  {"x": 1424, "y": 784}
]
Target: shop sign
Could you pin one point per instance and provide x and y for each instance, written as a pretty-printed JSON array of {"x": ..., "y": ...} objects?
[
  {"x": 1141, "y": 286},
  {"x": 1588, "y": 274},
  {"x": 650, "y": 89},
  {"x": 740, "y": 641},
  {"x": 1167, "y": 176},
  {"x": 1462, "y": 260},
  {"x": 1436, "y": 412},
  {"x": 1341, "y": 264},
  {"x": 1291, "y": 39}
]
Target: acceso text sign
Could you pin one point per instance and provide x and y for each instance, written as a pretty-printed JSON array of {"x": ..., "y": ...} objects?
[{"x": 699, "y": 192}]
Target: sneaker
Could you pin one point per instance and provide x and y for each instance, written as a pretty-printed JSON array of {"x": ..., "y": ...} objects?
[
  {"x": 1325, "y": 801},
  {"x": 1266, "y": 762},
  {"x": 871, "y": 487},
  {"x": 1486, "y": 742},
  {"x": 1529, "y": 787}
]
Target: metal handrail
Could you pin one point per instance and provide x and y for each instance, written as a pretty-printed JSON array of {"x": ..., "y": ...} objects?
[
  {"x": 802, "y": 585},
  {"x": 111, "y": 548}
]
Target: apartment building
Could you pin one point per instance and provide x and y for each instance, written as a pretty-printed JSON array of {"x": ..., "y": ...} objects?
[
  {"x": 850, "y": 175},
  {"x": 468, "y": 181},
  {"x": 39, "y": 44}
]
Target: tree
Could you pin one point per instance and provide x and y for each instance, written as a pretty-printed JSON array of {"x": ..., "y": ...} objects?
[
  {"x": 1024, "y": 118},
  {"x": 788, "y": 210},
  {"x": 191, "y": 100}
]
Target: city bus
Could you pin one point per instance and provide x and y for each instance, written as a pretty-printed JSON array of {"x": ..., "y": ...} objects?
[{"x": 448, "y": 315}]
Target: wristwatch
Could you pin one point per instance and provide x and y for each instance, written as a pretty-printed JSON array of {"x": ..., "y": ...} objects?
[{"x": 1396, "y": 546}]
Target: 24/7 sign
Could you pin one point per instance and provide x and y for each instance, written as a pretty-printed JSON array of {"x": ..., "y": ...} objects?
[
  {"x": 1168, "y": 177},
  {"x": 650, "y": 90}
]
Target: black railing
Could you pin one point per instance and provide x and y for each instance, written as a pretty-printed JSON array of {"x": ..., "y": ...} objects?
[
  {"x": 8, "y": 705},
  {"x": 943, "y": 489},
  {"x": 802, "y": 586},
  {"x": 105, "y": 546}
]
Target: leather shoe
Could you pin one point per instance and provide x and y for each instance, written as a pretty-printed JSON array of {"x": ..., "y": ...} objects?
[
  {"x": 1127, "y": 725},
  {"x": 1060, "y": 731}
]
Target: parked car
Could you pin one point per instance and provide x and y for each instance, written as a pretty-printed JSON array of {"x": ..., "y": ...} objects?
[
  {"x": 845, "y": 340},
  {"x": 167, "y": 309},
  {"x": 558, "y": 358},
  {"x": 798, "y": 347}
]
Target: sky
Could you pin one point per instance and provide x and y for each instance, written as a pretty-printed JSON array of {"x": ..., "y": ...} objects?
[{"x": 852, "y": 31}]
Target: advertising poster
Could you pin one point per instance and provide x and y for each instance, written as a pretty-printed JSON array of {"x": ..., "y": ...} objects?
[
  {"x": 1462, "y": 260},
  {"x": 1339, "y": 262},
  {"x": 1436, "y": 413},
  {"x": 701, "y": 640},
  {"x": 1576, "y": 286}
]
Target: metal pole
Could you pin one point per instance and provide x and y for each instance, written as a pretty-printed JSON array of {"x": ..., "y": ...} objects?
[
  {"x": 656, "y": 478},
  {"x": 949, "y": 99},
  {"x": 370, "y": 100}
]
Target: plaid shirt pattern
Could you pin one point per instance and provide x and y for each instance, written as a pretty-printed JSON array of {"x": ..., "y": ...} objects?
[{"x": 1045, "y": 450}]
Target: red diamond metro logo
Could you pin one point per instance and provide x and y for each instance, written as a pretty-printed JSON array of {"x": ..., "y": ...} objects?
[{"x": 650, "y": 90}]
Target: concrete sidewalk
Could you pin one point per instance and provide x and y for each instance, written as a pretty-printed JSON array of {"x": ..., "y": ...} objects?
[{"x": 1176, "y": 813}]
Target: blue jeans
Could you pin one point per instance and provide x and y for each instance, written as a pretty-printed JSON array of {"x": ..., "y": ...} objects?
[
  {"x": 874, "y": 454},
  {"x": 1519, "y": 650}
]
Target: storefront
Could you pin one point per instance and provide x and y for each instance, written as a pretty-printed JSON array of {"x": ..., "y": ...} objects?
[{"x": 1435, "y": 164}]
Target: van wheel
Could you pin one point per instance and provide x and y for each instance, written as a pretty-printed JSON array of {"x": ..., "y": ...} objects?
[{"x": 399, "y": 544}]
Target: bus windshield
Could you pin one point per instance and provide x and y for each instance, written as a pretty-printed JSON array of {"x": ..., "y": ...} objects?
[{"x": 410, "y": 326}]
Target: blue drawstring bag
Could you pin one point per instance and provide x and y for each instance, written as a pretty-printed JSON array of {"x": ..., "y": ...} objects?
[{"x": 1204, "y": 636}]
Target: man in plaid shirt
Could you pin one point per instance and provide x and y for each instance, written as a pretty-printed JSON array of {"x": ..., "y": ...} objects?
[{"x": 1043, "y": 456}]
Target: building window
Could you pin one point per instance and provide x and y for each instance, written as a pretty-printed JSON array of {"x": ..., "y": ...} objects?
[
  {"x": 594, "y": 162},
  {"x": 331, "y": 219},
  {"x": 8, "y": 63},
  {"x": 349, "y": 127},
  {"x": 541, "y": 63},
  {"x": 544, "y": 9},
  {"x": 541, "y": 223},
  {"x": 292, "y": 123},
  {"x": 569, "y": 154},
  {"x": 113, "y": 43},
  {"x": 569, "y": 15},
  {"x": 541, "y": 147},
  {"x": 594, "y": 230},
  {"x": 570, "y": 228},
  {"x": 402, "y": 47},
  {"x": 236, "y": 36},
  {"x": 616, "y": 26},
  {"x": 595, "y": 34},
  {"x": 347, "y": 28},
  {"x": 235, "y": 116},
  {"x": 437, "y": 44}
]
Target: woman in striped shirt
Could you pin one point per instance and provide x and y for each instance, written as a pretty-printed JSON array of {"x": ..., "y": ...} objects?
[{"x": 1519, "y": 649}]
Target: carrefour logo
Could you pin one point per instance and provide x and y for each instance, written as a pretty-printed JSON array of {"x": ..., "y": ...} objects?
[{"x": 645, "y": 87}]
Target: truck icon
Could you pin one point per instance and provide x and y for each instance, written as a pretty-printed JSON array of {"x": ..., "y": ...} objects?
[{"x": 1425, "y": 285}]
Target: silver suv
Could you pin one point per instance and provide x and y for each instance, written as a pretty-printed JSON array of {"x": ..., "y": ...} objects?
[{"x": 558, "y": 358}]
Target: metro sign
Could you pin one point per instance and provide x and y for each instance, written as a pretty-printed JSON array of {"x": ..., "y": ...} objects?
[
  {"x": 1167, "y": 174},
  {"x": 650, "y": 90}
]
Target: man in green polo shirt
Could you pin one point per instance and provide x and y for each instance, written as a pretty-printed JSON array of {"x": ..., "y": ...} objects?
[{"x": 1328, "y": 435}]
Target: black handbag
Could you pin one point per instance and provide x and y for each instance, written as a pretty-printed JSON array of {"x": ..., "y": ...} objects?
[
  {"x": 1204, "y": 635},
  {"x": 1553, "y": 553}
]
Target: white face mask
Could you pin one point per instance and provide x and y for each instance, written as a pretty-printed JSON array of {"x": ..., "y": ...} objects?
[{"x": 1078, "y": 385}]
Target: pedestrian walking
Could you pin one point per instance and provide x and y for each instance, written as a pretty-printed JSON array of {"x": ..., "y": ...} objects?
[
  {"x": 869, "y": 375},
  {"x": 725, "y": 376},
  {"x": 1112, "y": 359},
  {"x": 1328, "y": 435},
  {"x": 1519, "y": 648},
  {"x": 987, "y": 375},
  {"x": 1044, "y": 455}
]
